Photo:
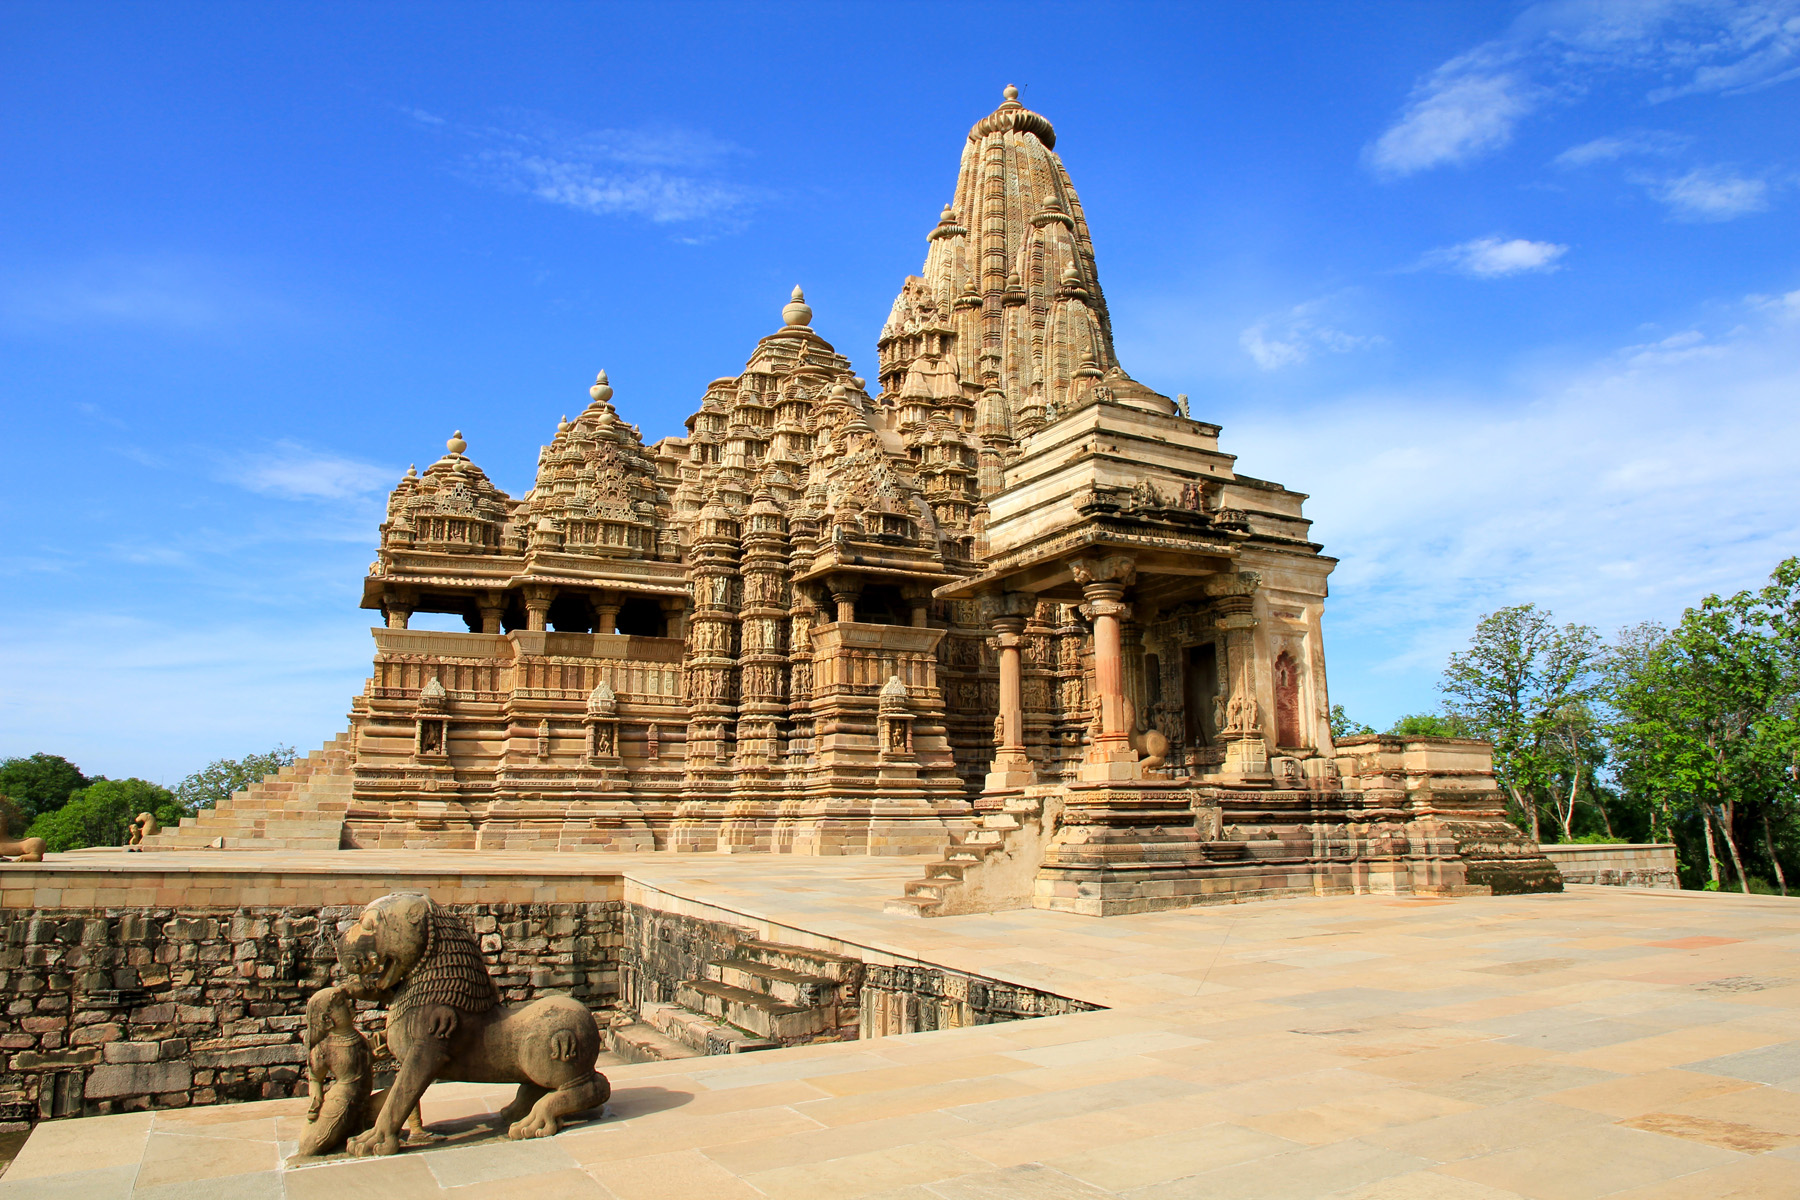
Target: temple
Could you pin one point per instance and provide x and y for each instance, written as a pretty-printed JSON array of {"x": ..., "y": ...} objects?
[{"x": 1008, "y": 608}]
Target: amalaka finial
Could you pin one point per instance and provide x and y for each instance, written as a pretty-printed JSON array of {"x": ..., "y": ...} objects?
[
  {"x": 602, "y": 390},
  {"x": 797, "y": 311},
  {"x": 1011, "y": 93},
  {"x": 456, "y": 445}
]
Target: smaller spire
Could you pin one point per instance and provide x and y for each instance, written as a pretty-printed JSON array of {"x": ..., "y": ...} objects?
[
  {"x": 456, "y": 445},
  {"x": 797, "y": 312}
]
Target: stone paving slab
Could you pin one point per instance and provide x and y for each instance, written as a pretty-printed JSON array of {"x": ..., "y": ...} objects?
[{"x": 1602, "y": 1042}]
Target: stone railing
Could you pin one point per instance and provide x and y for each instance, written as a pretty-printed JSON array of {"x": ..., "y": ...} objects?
[{"x": 1637, "y": 865}]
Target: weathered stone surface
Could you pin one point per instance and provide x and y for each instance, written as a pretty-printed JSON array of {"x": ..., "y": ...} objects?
[{"x": 138, "y": 1079}]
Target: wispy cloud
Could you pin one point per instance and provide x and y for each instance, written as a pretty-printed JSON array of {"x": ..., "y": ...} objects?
[
  {"x": 1710, "y": 194},
  {"x": 291, "y": 471},
  {"x": 173, "y": 294},
  {"x": 1637, "y": 143},
  {"x": 664, "y": 175},
  {"x": 1496, "y": 257},
  {"x": 1556, "y": 51},
  {"x": 1290, "y": 338},
  {"x": 1594, "y": 490}
]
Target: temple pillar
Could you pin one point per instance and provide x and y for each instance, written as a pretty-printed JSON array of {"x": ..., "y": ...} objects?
[
  {"x": 537, "y": 607},
  {"x": 1011, "y": 768},
  {"x": 844, "y": 592},
  {"x": 675, "y": 616},
  {"x": 1246, "y": 750},
  {"x": 1103, "y": 582},
  {"x": 493, "y": 610},
  {"x": 398, "y": 615},
  {"x": 606, "y": 613}
]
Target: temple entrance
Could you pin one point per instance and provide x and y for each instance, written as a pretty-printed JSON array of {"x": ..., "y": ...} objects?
[{"x": 1201, "y": 680}]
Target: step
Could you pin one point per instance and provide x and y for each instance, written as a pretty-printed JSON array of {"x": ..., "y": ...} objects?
[
  {"x": 952, "y": 869},
  {"x": 700, "y": 1033},
  {"x": 642, "y": 1043},
  {"x": 778, "y": 983},
  {"x": 750, "y": 1011},
  {"x": 934, "y": 888},
  {"x": 821, "y": 963},
  {"x": 911, "y": 906}
]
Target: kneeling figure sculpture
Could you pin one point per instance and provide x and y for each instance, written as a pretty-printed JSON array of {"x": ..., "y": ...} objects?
[{"x": 446, "y": 1022}]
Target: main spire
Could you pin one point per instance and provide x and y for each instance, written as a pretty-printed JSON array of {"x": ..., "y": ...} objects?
[{"x": 1009, "y": 298}]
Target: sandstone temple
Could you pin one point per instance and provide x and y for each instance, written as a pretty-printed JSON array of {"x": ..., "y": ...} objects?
[{"x": 999, "y": 603}]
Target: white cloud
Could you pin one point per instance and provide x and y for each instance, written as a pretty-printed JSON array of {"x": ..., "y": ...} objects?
[
  {"x": 1494, "y": 257},
  {"x": 1711, "y": 194},
  {"x": 1291, "y": 338},
  {"x": 1618, "y": 491},
  {"x": 1561, "y": 49},
  {"x": 1635, "y": 144},
  {"x": 665, "y": 175},
  {"x": 657, "y": 195},
  {"x": 1459, "y": 113},
  {"x": 293, "y": 472}
]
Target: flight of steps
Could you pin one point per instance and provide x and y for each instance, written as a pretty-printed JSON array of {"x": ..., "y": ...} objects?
[
  {"x": 993, "y": 866},
  {"x": 300, "y": 807},
  {"x": 764, "y": 996}
]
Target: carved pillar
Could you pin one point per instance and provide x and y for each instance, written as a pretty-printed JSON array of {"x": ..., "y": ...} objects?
[
  {"x": 844, "y": 592},
  {"x": 1246, "y": 751},
  {"x": 398, "y": 615},
  {"x": 537, "y": 606},
  {"x": 1103, "y": 582},
  {"x": 1011, "y": 767},
  {"x": 493, "y": 609},
  {"x": 606, "y": 613}
]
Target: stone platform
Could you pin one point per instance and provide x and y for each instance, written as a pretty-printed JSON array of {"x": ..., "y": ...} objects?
[{"x": 1600, "y": 1042}]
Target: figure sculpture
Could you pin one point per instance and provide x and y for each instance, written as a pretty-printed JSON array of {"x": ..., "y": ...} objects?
[
  {"x": 142, "y": 829},
  {"x": 446, "y": 1022},
  {"x": 23, "y": 850},
  {"x": 1146, "y": 739},
  {"x": 340, "y": 1073}
]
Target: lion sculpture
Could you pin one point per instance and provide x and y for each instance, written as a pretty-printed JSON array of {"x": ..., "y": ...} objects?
[{"x": 446, "y": 1022}]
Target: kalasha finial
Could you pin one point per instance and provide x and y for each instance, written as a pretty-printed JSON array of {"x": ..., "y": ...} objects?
[
  {"x": 947, "y": 216},
  {"x": 412, "y": 470},
  {"x": 602, "y": 390},
  {"x": 456, "y": 445},
  {"x": 858, "y": 382},
  {"x": 797, "y": 311},
  {"x": 562, "y": 426},
  {"x": 1011, "y": 93}
]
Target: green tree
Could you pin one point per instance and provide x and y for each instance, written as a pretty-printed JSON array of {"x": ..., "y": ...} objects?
[
  {"x": 1702, "y": 709},
  {"x": 214, "y": 782},
  {"x": 41, "y": 783},
  {"x": 1430, "y": 725},
  {"x": 1342, "y": 726},
  {"x": 101, "y": 814},
  {"x": 1513, "y": 686}
]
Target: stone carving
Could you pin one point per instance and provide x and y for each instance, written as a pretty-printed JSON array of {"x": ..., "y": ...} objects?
[
  {"x": 29, "y": 849},
  {"x": 1146, "y": 739},
  {"x": 340, "y": 1073},
  {"x": 143, "y": 826},
  {"x": 446, "y": 1022}
]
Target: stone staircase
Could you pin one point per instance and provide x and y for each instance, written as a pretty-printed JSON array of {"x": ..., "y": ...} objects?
[
  {"x": 764, "y": 996},
  {"x": 991, "y": 868},
  {"x": 300, "y": 807}
]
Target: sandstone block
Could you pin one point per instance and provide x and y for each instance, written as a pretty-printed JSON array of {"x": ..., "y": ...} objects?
[
  {"x": 28, "y": 1060},
  {"x": 130, "y": 1052},
  {"x": 138, "y": 1079}
]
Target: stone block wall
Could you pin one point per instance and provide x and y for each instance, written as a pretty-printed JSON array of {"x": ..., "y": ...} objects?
[
  {"x": 1650, "y": 864},
  {"x": 108, "y": 1010}
]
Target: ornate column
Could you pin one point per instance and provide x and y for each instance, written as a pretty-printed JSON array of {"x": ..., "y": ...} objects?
[
  {"x": 537, "y": 606},
  {"x": 1103, "y": 582},
  {"x": 1246, "y": 751},
  {"x": 493, "y": 609},
  {"x": 606, "y": 612},
  {"x": 1011, "y": 767},
  {"x": 845, "y": 591}
]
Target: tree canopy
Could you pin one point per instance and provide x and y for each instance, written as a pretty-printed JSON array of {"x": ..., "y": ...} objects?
[
  {"x": 41, "y": 783},
  {"x": 101, "y": 814},
  {"x": 217, "y": 780}
]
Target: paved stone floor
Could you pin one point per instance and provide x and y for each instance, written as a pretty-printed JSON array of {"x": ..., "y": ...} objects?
[{"x": 1602, "y": 1042}]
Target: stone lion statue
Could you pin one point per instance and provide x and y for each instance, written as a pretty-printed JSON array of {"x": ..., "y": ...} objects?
[{"x": 446, "y": 1022}]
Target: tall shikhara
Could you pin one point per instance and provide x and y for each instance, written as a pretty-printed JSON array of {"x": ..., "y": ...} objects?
[{"x": 1011, "y": 605}]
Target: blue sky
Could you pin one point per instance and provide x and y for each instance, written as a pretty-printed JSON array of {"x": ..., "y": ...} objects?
[{"x": 1512, "y": 291}]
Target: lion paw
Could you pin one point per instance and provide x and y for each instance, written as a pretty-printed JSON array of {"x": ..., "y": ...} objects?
[
  {"x": 533, "y": 1127},
  {"x": 374, "y": 1142}
]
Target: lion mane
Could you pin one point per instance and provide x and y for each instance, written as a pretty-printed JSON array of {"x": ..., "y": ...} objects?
[{"x": 450, "y": 970}]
